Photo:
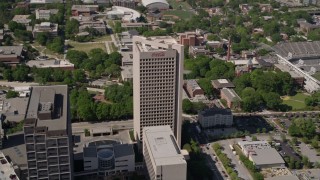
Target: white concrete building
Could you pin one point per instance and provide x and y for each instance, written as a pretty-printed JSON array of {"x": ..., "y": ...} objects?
[
  {"x": 215, "y": 117},
  {"x": 155, "y": 4},
  {"x": 261, "y": 154},
  {"x": 162, "y": 155},
  {"x": 126, "y": 14},
  {"x": 157, "y": 83},
  {"x": 108, "y": 159}
]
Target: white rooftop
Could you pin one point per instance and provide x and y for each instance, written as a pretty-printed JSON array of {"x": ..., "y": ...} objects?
[
  {"x": 6, "y": 168},
  {"x": 164, "y": 148},
  {"x": 223, "y": 81}
]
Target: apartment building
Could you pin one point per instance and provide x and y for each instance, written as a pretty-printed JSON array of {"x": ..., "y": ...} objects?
[
  {"x": 47, "y": 134},
  {"x": 162, "y": 155},
  {"x": 157, "y": 83}
]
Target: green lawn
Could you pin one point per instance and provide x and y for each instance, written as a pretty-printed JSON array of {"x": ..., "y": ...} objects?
[
  {"x": 296, "y": 101},
  {"x": 102, "y": 38},
  {"x": 86, "y": 47},
  {"x": 317, "y": 75},
  {"x": 179, "y": 13}
]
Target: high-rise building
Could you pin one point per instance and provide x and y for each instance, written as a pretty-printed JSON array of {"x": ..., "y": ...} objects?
[
  {"x": 157, "y": 83},
  {"x": 47, "y": 133},
  {"x": 162, "y": 155}
]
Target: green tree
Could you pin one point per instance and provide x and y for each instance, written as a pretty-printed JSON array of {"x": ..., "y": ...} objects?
[
  {"x": 314, "y": 35},
  {"x": 187, "y": 106},
  {"x": 7, "y": 75},
  {"x": 42, "y": 38},
  {"x": 206, "y": 85},
  {"x": 72, "y": 28},
  {"x": 12, "y": 94},
  {"x": 79, "y": 75}
]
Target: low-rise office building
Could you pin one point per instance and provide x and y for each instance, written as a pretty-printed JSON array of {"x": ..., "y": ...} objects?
[
  {"x": 261, "y": 154},
  {"x": 198, "y": 51},
  {"x": 232, "y": 98},
  {"x": 84, "y": 10},
  {"x": 215, "y": 117},
  {"x": 45, "y": 13},
  {"x": 222, "y": 83},
  {"x": 97, "y": 25},
  {"x": 22, "y": 19},
  {"x": 193, "y": 88},
  {"x": 61, "y": 64},
  {"x": 46, "y": 27},
  {"x": 109, "y": 158},
  {"x": 124, "y": 3},
  {"x": 11, "y": 55},
  {"x": 162, "y": 155}
]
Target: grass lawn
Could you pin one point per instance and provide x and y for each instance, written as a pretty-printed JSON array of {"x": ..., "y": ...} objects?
[
  {"x": 102, "y": 38},
  {"x": 317, "y": 75},
  {"x": 179, "y": 13},
  {"x": 296, "y": 101},
  {"x": 113, "y": 48},
  {"x": 86, "y": 47}
]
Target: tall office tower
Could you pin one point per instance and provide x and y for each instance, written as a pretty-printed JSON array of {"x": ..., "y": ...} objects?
[
  {"x": 47, "y": 133},
  {"x": 162, "y": 155},
  {"x": 157, "y": 83}
]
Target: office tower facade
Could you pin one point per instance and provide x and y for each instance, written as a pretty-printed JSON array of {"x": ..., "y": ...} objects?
[
  {"x": 157, "y": 83},
  {"x": 47, "y": 133},
  {"x": 162, "y": 155}
]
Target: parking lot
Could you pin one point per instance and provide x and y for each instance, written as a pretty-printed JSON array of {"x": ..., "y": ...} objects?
[
  {"x": 309, "y": 151},
  {"x": 252, "y": 123},
  {"x": 239, "y": 167}
]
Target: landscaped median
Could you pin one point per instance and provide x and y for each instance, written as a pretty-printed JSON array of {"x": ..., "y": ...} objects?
[
  {"x": 248, "y": 164},
  {"x": 226, "y": 162}
]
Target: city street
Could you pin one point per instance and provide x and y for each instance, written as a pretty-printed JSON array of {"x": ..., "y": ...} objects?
[
  {"x": 239, "y": 167},
  {"x": 79, "y": 127}
]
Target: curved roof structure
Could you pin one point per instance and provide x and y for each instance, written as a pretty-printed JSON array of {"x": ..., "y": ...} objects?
[{"x": 148, "y": 2}]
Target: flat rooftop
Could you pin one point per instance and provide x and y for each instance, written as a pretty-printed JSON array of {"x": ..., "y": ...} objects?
[
  {"x": 41, "y": 102},
  {"x": 11, "y": 50},
  {"x": 155, "y": 43},
  {"x": 7, "y": 170},
  {"x": 49, "y": 63},
  {"x": 261, "y": 152},
  {"x": 164, "y": 148},
  {"x": 222, "y": 83},
  {"x": 266, "y": 156}
]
